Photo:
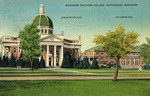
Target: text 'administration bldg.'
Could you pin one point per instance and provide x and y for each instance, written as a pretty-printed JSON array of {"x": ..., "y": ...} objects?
[{"x": 53, "y": 46}]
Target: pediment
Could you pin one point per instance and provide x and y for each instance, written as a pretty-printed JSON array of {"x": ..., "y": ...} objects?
[{"x": 51, "y": 38}]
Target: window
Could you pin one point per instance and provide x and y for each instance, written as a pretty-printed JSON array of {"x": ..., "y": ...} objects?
[
  {"x": 7, "y": 49},
  {"x": 132, "y": 62},
  {"x": 41, "y": 30},
  {"x": 14, "y": 50},
  {"x": 7, "y": 39},
  {"x": 15, "y": 38},
  {"x": 45, "y": 31}
]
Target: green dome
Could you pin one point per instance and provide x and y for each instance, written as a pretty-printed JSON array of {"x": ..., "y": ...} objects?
[{"x": 42, "y": 20}]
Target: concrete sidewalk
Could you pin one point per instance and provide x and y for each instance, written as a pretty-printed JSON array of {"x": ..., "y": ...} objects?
[{"x": 70, "y": 78}]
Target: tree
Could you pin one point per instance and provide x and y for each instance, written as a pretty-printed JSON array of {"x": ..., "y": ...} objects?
[
  {"x": 117, "y": 44},
  {"x": 86, "y": 63},
  {"x": 81, "y": 65},
  {"x": 67, "y": 61},
  {"x": 94, "y": 64},
  {"x": 5, "y": 61},
  {"x": 29, "y": 43},
  {"x": 146, "y": 51},
  {"x": 12, "y": 62},
  {"x": 76, "y": 63},
  {"x": 36, "y": 63},
  {"x": 20, "y": 60},
  {"x": 42, "y": 62}
]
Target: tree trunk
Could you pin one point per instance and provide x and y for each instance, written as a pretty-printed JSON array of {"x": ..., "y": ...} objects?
[
  {"x": 31, "y": 62},
  {"x": 116, "y": 70}
]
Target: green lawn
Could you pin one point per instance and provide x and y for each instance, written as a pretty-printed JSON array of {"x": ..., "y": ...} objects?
[
  {"x": 70, "y": 72},
  {"x": 75, "y": 88}
]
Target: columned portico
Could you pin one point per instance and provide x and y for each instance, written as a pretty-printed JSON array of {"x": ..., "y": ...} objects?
[{"x": 53, "y": 55}]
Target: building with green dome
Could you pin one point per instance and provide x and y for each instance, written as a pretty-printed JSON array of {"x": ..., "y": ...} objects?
[{"x": 53, "y": 46}]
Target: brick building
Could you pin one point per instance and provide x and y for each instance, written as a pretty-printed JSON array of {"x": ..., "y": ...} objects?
[{"x": 131, "y": 60}]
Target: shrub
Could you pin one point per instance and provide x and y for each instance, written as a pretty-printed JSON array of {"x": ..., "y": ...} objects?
[
  {"x": 67, "y": 61},
  {"x": 42, "y": 62},
  {"x": 36, "y": 63},
  {"x": 94, "y": 64},
  {"x": 12, "y": 62},
  {"x": 146, "y": 67}
]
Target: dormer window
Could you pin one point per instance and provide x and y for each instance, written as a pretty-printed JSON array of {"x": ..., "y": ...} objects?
[{"x": 7, "y": 39}]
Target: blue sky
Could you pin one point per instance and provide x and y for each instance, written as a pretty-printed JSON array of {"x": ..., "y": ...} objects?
[{"x": 92, "y": 20}]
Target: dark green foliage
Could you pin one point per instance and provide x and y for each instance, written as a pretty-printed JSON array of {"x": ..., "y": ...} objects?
[
  {"x": 30, "y": 43},
  {"x": 5, "y": 61},
  {"x": 146, "y": 51},
  {"x": 20, "y": 60},
  {"x": 76, "y": 63},
  {"x": 81, "y": 65},
  {"x": 146, "y": 67},
  {"x": 67, "y": 61},
  {"x": 63, "y": 63},
  {"x": 12, "y": 62},
  {"x": 94, "y": 64},
  {"x": 85, "y": 63},
  {"x": 26, "y": 64},
  {"x": 42, "y": 62},
  {"x": 36, "y": 63},
  {"x": 0, "y": 62}
]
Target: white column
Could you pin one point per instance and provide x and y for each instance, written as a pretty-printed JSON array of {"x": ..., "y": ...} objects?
[
  {"x": 79, "y": 52},
  {"x": 60, "y": 56},
  {"x": 3, "y": 49},
  {"x": 47, "y": 57},
  {"x": 75, "y": 53},
  {"x": 54, "y": 55}
]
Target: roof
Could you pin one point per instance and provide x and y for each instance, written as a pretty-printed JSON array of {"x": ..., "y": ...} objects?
[
  {"x": 100, "y": 48},
  {"x": 96, "y": 48},
  {"x": 137, "y": 49},
  {"x": 42, "y": 20}
]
